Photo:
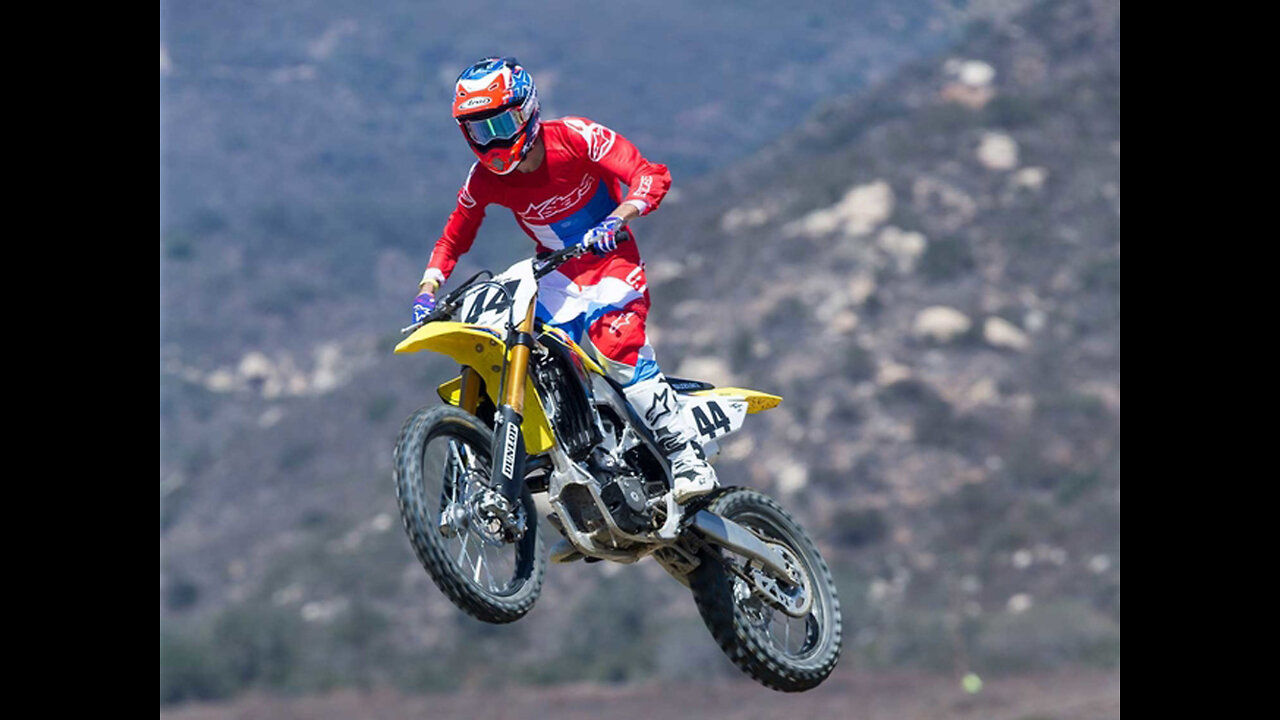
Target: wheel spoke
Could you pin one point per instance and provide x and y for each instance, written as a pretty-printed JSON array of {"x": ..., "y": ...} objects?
[
  {"x": 484, "y": 552},
  {"x": 463, "y": 538},
  {"x": 460, "y": 465},
  {"x": 479, "y": 563}
]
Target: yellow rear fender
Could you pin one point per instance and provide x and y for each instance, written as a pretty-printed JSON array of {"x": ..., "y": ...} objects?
[
  {"x": 480, "y": 348},
  {"x": 756, "y": 401},
  {"x": 718, "y": 412}
]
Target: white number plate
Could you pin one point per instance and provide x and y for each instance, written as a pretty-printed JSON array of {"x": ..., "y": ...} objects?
[{"x": 491, "y": 307}]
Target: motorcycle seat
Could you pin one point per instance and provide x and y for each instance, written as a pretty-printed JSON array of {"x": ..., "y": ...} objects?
[{"x": 685, "y": 386}]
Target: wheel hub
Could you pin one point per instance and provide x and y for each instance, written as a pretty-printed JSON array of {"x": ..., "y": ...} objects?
[{"x": 453, "y": 519}]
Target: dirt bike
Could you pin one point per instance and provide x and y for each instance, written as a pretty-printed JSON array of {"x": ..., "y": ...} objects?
[{"x": 532, "y": 412}]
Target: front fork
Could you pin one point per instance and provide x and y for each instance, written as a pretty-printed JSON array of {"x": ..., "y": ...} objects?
[{"x": 508, "y": 440}]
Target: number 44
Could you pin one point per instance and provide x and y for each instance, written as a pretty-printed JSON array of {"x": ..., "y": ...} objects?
[{"x": 709, "y": 426}]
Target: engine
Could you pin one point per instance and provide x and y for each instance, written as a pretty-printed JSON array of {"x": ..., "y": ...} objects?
[{"x": 626, "y": 493}]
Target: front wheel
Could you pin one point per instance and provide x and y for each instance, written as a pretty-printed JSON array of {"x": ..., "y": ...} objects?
[
  {"x": 782, "y": 648},
  {"x": 455, "y": 517}
]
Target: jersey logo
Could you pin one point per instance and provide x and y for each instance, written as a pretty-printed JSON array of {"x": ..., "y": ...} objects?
[
  {"x": 599, "y": 138},
  {"x": 557, "y": 204}
]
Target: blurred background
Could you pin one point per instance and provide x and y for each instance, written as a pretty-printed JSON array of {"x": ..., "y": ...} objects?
[{"x": 901, "y": 215}]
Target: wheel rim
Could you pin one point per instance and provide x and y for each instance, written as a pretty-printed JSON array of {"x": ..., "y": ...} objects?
[
  {"x": 454, "y": 478},
  {"x": 795, "y": 637}
]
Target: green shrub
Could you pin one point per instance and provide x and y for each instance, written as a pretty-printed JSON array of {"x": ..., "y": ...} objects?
[
  {"x": 190, "y": 671},
  {"x": 1103, "y": 276},
  {"x": 1011, "y": 111},
  {"x": 258, "y": 645},
  {"x": 1047, "y": 636},
  {"x": 857, "y": 364},
  {"x": 296, "y": 455},
  {"x": 181, "y": 594},
  {"x": 946, "y": 259},
  {"x": 179, "y": 246},
  {"x": 857, "y": 528},
  {"x": 207, "y": 221},
  {"x": 1072, "y": 487}
]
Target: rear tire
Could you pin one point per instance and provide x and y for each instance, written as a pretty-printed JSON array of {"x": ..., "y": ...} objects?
[
  {"x": 750, "y": 631},
  {"x": 428, "y": 481}
]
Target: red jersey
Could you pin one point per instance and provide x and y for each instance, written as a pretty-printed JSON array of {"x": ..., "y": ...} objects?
[{"x": 578, "y": 184}]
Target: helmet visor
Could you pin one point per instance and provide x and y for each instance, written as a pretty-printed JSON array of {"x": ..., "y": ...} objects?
[{"x": 503, "y": 126}]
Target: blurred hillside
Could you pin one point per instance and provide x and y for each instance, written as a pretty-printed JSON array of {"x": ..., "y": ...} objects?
[{"x": 928, "y": 269}]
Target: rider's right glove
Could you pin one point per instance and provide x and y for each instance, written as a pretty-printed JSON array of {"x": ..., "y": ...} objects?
[
  {"x": 423, "y": 305},
  {"x": 603, "y": 238}
]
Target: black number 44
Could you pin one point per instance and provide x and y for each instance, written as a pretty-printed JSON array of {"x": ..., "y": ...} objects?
[
  {"x": 717, "y": 421},
  {"x": 498, "y": 302}
]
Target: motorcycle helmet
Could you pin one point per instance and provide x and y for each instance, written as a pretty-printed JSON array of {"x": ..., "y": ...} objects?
[{"x": 496, "y": 106}]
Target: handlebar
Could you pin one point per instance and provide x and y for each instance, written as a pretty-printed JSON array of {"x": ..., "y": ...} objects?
[
  {"x": 546, "y": 264},
  {"x": 556, "y": 258}
]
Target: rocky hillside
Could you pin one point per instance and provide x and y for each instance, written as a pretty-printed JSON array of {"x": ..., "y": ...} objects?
[
  {"x": 927, "y": 270},
  {"x": 930, "y": 273}
]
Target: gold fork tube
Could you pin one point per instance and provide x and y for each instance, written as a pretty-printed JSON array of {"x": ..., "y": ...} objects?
[
  {"x": 518, "y": 365},
  {"x": 469, "y": 398}
]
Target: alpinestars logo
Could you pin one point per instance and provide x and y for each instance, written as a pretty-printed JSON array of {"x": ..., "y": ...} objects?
[
  {"x": 620, "y": 322},
  {"x": 661, "y": 407},
  {"x": 645, "y": 185},
  {"x": 599, "y": 138},
  {"x": 556, "y": 205}
]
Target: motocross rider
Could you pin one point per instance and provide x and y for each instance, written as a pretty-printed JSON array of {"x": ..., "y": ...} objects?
[{"x": 562, "y": 179}]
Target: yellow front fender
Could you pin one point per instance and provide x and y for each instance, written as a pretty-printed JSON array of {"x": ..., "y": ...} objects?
[{"x": 481, "y": 348}]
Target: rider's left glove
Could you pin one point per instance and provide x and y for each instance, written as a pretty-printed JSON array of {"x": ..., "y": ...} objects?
[
  {"x": 603, "y": 238},
  {"x": 423, "y": 305}
]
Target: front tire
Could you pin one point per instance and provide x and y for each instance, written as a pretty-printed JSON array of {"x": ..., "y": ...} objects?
[
  {"x": 442, "y": 461},
  {"x": 781, "y": 652}
]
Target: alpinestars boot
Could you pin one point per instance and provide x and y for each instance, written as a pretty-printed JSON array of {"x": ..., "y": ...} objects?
[{"x": 655, "y": 402}]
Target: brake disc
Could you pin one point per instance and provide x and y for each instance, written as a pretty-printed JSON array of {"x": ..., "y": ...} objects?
[{"x": 494, "y": 519}]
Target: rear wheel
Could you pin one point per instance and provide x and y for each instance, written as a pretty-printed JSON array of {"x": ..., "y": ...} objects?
[
  {"x": 454, "y": 517},
  {"x": 786, "y": 635}
]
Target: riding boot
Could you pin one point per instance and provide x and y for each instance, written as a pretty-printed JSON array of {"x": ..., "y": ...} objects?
[{"x": 654, "y": 400}]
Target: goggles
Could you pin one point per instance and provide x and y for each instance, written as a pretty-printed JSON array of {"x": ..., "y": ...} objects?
[{"x": 503, "y": 126}]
